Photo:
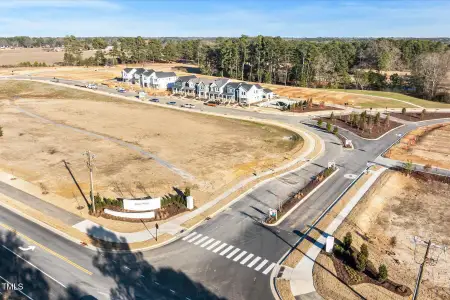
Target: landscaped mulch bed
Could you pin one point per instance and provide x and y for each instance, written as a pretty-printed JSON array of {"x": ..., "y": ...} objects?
[
  {"x": 415, "y": 117},
  {"x": 297, "y": 197},
  {"x": 352, "y": 277},
  {"x": 315, "y": 107},
  {"x": 376, "y": 131}
]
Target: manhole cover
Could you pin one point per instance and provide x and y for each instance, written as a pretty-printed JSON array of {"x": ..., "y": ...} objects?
[{"x": 350, "y": 176}]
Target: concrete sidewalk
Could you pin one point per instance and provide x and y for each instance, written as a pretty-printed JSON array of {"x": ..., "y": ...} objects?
[
  {"x": 301, "y": 277},
  {"x": 391, "y": 163}
]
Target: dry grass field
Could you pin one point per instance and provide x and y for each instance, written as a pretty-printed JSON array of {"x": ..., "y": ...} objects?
[
  {"x": 215, "y": 151},
  {"x": 432, "y": 148},
  {"x": 395, "y": 210},
  {"x": 18, "y": 55}
]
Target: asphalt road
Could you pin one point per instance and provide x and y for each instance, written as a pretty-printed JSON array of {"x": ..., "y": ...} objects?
[{"x": 242, "y": 254}]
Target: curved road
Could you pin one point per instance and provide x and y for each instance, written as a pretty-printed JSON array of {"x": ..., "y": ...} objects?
[{"x": 229, "y": 256}]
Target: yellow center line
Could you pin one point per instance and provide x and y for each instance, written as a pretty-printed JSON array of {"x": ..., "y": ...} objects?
[{"x": 46, "y": 249}]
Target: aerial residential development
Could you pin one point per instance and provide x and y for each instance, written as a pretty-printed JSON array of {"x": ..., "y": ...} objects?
[{"x": 237, "y": 150}]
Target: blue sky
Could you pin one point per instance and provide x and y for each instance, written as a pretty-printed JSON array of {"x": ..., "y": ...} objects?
[{"x": 287, "y": 18}]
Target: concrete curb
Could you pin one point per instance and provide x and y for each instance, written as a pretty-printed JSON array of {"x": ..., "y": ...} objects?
[{"x": 301, "y": 201}]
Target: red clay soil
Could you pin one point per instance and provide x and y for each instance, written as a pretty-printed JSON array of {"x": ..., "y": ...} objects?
[
  {"x": 414, "y": 117},
  {"x": 376, "y": 131}
]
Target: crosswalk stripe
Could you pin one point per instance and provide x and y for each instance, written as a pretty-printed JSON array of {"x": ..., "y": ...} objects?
[
  {"x": 240, "y": 255},
  {"x": 233, "y": 252},
  {"x": 195, "y": 237},
  {"x": 207, "y": 242},
  {"x": 226, "y": 250},
  {"x": 259, "y": 267},
  {"x": 220, "y": 247},
  {"x": 267, "y": 270},
  {"x": 246, "y": 259},
  {"x": 253, "y": 262},
  {"x": 201, "y": 240},
  {"x": 189, "y": 236},
  {"x": 213, "y": 245}
]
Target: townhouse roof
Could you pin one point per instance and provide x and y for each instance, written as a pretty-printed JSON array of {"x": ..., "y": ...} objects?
[
  {"x": 128, "y": 70},
  {"x": 221, "y": 82},
  {"x": 206, "y": 81},
  {"x": 234, "y": 85},
  {"x": 267, "y": 91},
  {"x": 186, "y": 78},
  {"x": 165, "y": 74},
  {"x": 246, "y": 86},
  {"x": 139, "y": 71},
  {"x": 258, "y": 86},
  {"x": 148, "y": 72}
]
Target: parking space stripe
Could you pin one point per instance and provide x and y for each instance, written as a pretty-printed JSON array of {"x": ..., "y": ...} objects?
[
  {"x": 195, "y": 237},
  {"x": 213, "y": 245},
  {"x": 189, "y": 236},
  {"x": 267, "y": 270},
  {"x": 259, "y": 267},
  {"x": 226, "y": 250},
  {"x": 246, "y": 259},
  {"x": 233, "y": 253},
  {"x": 220, "y": 247},
  {"x": 201, "y": 240},
  {"x": 253, "y": 262},
  {"x": 239, "y": 256},
  {"x": 207, "y": 242}
]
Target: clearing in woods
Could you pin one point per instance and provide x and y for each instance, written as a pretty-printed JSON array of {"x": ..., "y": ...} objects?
[
  {"x": 396, "y": 209},
  {"x": 217, "y": 152}
]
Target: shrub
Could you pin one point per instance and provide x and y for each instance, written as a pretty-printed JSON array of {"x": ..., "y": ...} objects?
[
  {"x": 319, "y": 122},
  {"x": 403, "y": 111},
  {"x": 428, "y": 167},
  {"x": 187, "y": 192},
  {"x": 332, "y": 116},
  {"x": 364, "y": 250},
  {"x": 1, "y": 131},
  {"x": 393, "y": 241},
  {"x": 382, "y": 273},
  {"x": 338, "y": 250},
  {"x": 335, "y": 130},
  {"x": 329, "y": 127},
  {"x": 361, "y": 262},
  {"x": 348, "y": 240},
  {"x": 354, "y": 276}
]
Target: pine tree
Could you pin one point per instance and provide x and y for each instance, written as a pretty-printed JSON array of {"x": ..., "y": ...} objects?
[
  {"x": 382, "y": 273},
  {"x": 348, "y": 240}
]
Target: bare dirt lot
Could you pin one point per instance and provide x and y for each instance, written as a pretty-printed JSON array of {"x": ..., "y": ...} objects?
[
  {"x": 425, "y": 147},
  {"x": 18, "y": 55},
  {"x": 396, "y": 208},
  {"x": 215, "y": 151}
]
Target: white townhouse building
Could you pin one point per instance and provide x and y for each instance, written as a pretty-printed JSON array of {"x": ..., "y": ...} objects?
[
  {"x": 162, "y": 80},
  {"x": 128, "y": 74}
]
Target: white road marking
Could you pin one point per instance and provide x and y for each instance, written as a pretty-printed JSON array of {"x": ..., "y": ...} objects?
[
  {"x": 261, "y": 265},
  {"x": 226, "y": 250},
  {"x": 220, "y": 247},
  {"x": 201, "y": 240},
  {"x": 27, "y": 248},
  {"x": 233, "y": 252},
  {"x": 195, "y": 237},
  {"x": 207, "y": 242},
  {"x": 267, "y": 270},
  {"x": 240, "y": 255},
  {"x": 246, "y": 259},
  {"x": 253, "y": 262},
  {"x": 213, "y": 245},
  {"x": 18, "y": 291},
  {"x": 35, "y": 267},
  {"x": 189, "y": 236}
]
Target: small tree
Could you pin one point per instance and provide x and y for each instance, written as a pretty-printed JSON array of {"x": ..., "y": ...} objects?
[
  {"x": 187, "y": 191},
  {"x": 403, "y": 111},
  {"x": 386, "y": 121},
  {"x": 329, "y": 127},
  {"x": 335, "y": 130},
  {"x": 364, "y": 250},
  {"x": 361, "y": 262},
  {"x": 382, "y": 273},
  {"x": 332, "y": 117},
  {"x": 1, "y": 131},
  {"x": 319, "y": 122},
  {"x": 422, "y": 114},
  {"x": 409, "y": 167},
  {"x": 348, "y": 240}
]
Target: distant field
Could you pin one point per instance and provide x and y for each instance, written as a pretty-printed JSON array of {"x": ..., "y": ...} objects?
[
  {"x": 397, "y": 96},
  {"x": 18, "y": 55}
]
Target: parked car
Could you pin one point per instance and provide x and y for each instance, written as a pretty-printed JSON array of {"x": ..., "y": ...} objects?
[
  {"x": 171, "y": 103},
  {"x": 211, "y": 103},
  {"x": 188, "y": 105},
  {"x": 155, "y": 100},
  {"x": 121, "y": 90},
  {"x": 91, "y": 86}
]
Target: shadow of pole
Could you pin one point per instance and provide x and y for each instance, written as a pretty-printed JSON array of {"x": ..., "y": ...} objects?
[{"x": 66, "y": 164}]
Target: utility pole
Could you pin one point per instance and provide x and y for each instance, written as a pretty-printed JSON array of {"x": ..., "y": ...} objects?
[{"x": 90, "y": 165}]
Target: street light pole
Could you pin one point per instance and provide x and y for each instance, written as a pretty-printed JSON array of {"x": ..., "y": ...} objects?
[{"x": 90, "y": 165}]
